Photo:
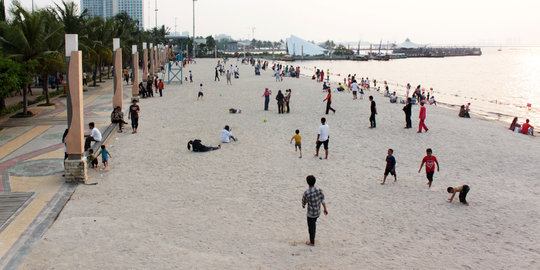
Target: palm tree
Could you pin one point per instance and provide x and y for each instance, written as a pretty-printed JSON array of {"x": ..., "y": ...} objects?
[
  {"x": 70, "y": 17},
  {"x": 51, "y": 60},
  {"x": 24, "y": 40}
]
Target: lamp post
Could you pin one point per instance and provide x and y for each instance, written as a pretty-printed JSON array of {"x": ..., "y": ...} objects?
[{"x": 194, "y": 28}]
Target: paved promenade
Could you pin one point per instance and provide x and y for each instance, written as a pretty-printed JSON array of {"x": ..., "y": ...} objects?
[{"x": 32, "y": 190}]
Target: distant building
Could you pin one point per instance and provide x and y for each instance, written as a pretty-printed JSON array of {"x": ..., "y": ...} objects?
[
  {"x": 134, "y": 8},
  {"x": 221, "y": 37},
  {"x": 109, "y": 8}
]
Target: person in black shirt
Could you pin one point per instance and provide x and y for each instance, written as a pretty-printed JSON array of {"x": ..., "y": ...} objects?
[
  {"x": 280, "y": 101},
  {"x": 373, "y": 113},
  {"x": 199, "y": 147},
  {"x": 408, "y": 112}
]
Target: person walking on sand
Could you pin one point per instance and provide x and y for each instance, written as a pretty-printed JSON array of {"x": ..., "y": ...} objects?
[
  {"x": 190, "y": 77},
  {"x": 104, "y": 156},
  {"x": 200, "y": 95},
  {"x": 297, "y": 142},
  {"x": 280, "y": 101},
  {"x": 216, "y": 77},
  {"x": 354, "y": 87},
  {"x": 430, "y": 160},
  {"x": 422, "y": 117},
  {"x": 313, "y": 198},
  {"x": 322, "y": 138},
  {"x": 229, "y": 78},
  {"x": 463, "y": 190},
  {"x": 328, "y": 100},
  {"x": 408, "y": 112},
  {"x": 266, "y": 96},
  {"x": 372, "y": 122},
  {"x": 134, "y": 110},
  {"x": 390, "y": 166}
]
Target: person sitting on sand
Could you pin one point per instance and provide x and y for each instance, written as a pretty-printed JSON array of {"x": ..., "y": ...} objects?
[
  {"x": 341, "y": 87},
  {"x": 527, "y": 129},
  {"x": 199, "y": 147},
  {"x": 432, "y": 101},
  {"x": 393, "y": 98},
  {"x": 325, "y": 86},
  {"x": 463, "y": 112},
  {"x": 463, "y": 190},
  {"x": 514, "y": 124},
  {"x": 226, "y": 135}
]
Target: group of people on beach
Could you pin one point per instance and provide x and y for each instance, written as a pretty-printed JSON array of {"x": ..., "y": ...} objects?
[
  {"x": 524, "y": 128},
  {"x": 152, "y": 82}
]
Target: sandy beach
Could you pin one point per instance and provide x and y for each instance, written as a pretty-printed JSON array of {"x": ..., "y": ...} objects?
[{"x": 160, "y": 206}]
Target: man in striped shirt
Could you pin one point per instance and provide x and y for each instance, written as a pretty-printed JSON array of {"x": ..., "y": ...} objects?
[{"x": 313, "y": 197}]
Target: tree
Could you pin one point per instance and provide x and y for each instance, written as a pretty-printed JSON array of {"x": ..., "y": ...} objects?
[
  {"x": 2, "y": 11},
  {"x": 342, "y": 50},
  {"x": 68, "y": 14},
  {"x": 9, "y": 79},
  {"x": 23, "y": 40}
]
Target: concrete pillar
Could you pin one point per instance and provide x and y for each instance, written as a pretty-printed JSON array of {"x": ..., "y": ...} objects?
[
  {"x": 135, "y": 87},
  {"x": 117, "y": 57},
  {"x": 150, "y": 59},
  {"x": 145, "y": 62},
  {"x": 75, "y": 164}
]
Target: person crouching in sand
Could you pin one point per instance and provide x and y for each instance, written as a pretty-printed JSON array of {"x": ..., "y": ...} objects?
[
  {"x": 313, "y": 198},
  {"x": 463, "y": 190}
]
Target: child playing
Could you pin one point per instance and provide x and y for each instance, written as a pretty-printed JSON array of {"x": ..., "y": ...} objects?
[
  {"x": 430, "y": 161},
  {"x": 200, "y": 95},
  {"x": 390, "y": 166},
  {"x": 297, "y": 142},
  {"x": 104, "y": 156},
  {"x": 92, "y": 158},
  {"x": 463, "y": 190}
]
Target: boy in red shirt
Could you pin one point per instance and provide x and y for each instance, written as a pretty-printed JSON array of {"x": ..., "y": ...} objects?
[
  {"x": 430, "y": 161},
  {"x": 527, "y": 129}
]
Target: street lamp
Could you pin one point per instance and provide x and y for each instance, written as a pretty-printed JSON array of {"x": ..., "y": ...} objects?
[{"x": 194, "y": 28}]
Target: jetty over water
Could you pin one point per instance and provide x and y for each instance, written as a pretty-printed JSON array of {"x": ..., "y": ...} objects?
[{"x": 411, "y": 49}]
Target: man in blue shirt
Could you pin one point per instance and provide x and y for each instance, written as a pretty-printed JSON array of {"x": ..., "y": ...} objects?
[{"x": 390, "y": 166}]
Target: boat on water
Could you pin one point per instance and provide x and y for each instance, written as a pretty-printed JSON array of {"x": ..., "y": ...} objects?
[
  {"x": 287, "y": 58},
  {"x": 361, "y": 57}
]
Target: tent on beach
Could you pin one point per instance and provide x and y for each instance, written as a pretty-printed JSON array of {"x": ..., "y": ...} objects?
[{"x": 298, "y": 46}]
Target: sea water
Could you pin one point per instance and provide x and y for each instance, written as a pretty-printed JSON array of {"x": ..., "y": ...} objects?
[{"x": 499, "y": 84}]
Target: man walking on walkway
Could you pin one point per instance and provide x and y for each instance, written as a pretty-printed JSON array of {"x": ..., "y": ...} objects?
[
  {"x": 134, "y": 115},
  {"x": 313, "y": 197}
]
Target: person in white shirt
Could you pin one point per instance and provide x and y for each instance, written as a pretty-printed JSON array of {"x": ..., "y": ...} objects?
[
  {"x": 226, "y": 135},
  {"x": 354, "y": 86},
  {"x": 95, "y": 136},
  {"x": 322, "y": 138}
]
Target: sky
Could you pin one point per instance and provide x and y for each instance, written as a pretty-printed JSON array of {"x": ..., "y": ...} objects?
[{"x": 456, "y": 22}]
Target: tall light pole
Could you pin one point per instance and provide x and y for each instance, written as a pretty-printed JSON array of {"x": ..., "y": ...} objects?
[
  {"x": 194, "y": 28},
  {"x": 156, "y": 10}
]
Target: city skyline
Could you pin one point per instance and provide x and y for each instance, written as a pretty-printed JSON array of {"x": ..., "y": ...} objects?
[{"x": 457, "y": 23}]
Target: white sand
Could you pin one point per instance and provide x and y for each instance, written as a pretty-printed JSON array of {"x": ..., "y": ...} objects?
[{"x": 162, "y": 207}]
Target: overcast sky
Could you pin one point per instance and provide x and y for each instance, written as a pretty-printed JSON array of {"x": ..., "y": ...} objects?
[{"x": 496, "y": 22}]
